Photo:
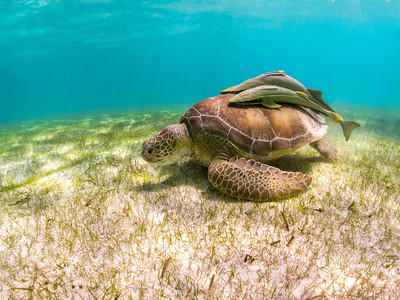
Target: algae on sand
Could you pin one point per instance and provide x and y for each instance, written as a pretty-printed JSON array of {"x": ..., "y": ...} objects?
[{"x": 82, "y": 215}]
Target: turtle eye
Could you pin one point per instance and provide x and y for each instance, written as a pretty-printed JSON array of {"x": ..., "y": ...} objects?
[{"x": 150, "y": 151}]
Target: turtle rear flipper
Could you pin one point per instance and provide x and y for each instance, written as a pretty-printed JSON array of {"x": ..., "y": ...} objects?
[
  {"x": 251, "y": 180},
  {"x": 326, "y": 149}
]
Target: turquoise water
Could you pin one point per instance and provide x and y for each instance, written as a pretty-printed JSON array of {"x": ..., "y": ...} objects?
[{"x": 71, "y": 56}]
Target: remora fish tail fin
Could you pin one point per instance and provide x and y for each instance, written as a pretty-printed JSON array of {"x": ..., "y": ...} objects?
[
  {"x": 348, "y": 127},
  {"x": 318, "y": 94}
]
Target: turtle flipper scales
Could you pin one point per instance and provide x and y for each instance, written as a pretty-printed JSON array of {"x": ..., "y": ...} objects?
[{"x": 251, "y": 180}]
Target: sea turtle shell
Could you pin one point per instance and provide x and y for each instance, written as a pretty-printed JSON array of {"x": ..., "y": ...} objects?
[{"x": 258, "y": 132}]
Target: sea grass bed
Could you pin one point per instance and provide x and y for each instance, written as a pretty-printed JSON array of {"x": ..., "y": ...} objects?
[{"x": 83, "y": 216}]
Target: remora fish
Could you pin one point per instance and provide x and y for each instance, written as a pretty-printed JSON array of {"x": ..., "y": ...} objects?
[
  {"x": 279, "y": 78},
  {"x": 268, "y": 95}
]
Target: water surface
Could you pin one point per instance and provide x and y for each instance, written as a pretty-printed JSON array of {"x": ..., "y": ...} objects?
[{"x": 70, "y": 56}]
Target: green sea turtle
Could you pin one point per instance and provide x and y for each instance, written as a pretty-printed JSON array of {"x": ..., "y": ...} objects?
[
  {"x": 280, "y": 79},
  {"x": 236, "y": 142}
]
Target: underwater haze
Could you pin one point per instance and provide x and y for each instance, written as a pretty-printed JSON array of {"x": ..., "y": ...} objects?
[
  {"x": 83, "y": 215},
  {"x": 71, "y": 56}
]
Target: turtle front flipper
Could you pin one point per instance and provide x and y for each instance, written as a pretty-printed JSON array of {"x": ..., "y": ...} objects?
[{"x": 251, "y": 180}]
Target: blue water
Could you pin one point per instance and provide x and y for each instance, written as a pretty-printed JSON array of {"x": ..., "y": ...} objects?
[{"x": 68, "y": 56}]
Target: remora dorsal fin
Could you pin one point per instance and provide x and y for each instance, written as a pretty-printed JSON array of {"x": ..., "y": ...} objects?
[{"x": 318, "y": 94}]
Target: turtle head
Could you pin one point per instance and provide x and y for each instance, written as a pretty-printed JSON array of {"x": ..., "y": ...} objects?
[{"x": 168, "y": 146}]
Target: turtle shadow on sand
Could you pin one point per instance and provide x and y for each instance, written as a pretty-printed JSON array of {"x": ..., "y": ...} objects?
[
  {"x": 297, "y": 163},
  {"x": 195, "y": 175}
]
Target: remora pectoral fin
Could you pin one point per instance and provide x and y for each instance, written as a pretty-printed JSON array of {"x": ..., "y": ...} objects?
[
  {"x": 267, "y": 102},
  {"x": 302, "y": 95}
]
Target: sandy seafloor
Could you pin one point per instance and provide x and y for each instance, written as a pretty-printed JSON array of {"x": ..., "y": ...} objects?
[{"x": 83, "y": 215}]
